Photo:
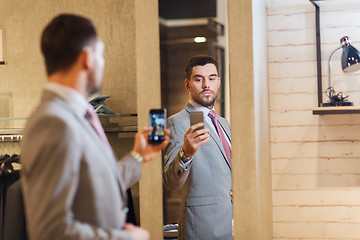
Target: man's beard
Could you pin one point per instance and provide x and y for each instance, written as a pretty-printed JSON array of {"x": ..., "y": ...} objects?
[{"x": 207, "y": 101}]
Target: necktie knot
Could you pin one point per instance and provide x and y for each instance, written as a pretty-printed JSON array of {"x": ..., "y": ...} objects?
[
  {"x": 96, "y": 124},
  {"x": 212, "y": 115}
]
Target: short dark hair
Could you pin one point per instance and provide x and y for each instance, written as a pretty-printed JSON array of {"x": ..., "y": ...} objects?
[
  {"x": 199, "y": 60},
  {"x": 64, "y": 38}
]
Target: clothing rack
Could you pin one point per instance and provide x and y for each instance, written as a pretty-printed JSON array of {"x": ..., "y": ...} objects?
[
  {"x": 9, "y": 153},
  {"x": 10, "y": 144},
  {"x": 10, "y": 138},
  {"x": 9, "y": 168}
]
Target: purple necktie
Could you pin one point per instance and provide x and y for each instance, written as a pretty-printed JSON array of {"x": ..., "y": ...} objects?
[
  {"x": 96, "y": 124},
  {"x": 212, "y": 115}
]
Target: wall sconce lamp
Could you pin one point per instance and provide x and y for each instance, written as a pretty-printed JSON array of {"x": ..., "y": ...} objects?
[{"x": 350, "y": 62}]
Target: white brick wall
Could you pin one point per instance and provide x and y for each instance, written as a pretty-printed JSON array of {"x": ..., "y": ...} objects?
[{"x": 315, "y": 159}]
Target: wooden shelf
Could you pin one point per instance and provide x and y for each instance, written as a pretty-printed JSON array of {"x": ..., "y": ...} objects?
[
  {"x": 107, "y": 128},
  {"x": 11, "y": 131},
  {"x": 336, "y": 110},
  {"x": 120, "y": 129},
  {"x": 114, "y": 129}
]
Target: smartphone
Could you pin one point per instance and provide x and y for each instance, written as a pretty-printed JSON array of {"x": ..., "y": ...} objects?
[
  {"x": 196, "y": 117},
  {"x": 157, "y": 120}
]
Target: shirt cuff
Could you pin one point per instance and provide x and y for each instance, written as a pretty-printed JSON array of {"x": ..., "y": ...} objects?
[
  {"x": 137, "y": 156},
  {"x": 185, "y": 165}
]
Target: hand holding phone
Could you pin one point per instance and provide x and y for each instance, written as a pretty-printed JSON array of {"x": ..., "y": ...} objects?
[
  {"x": 194, "y": 138},
  {"x": 157, "y": 120},
  {"x": 196, "y": 117}
]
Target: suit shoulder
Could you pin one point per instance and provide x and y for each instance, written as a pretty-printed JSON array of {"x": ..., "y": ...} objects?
[
  {"x": 50, "y": 117},
  {"x": 222, "y": 118},
  {"x": 179, "y": 123},
  {"x": 180, "y": 116},
  {"x": 53, "y": 109}
]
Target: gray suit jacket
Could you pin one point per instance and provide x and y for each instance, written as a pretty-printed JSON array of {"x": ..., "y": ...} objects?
[
  {"x": 73, "y": 188},
  {"x": 206, "y": 208}
]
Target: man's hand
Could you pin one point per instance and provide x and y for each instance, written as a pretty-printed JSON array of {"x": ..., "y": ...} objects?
[
  {"x": 194, "y": 138},
  {"x": 142, "y": 146},
  {"x": 137, "y": 233}
]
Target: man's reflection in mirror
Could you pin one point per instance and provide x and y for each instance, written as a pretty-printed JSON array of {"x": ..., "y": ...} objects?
[{"x": 198, "y": 157}]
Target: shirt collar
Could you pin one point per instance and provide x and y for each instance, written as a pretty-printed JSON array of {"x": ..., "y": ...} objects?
[
  {"x": 199, "y": 107},
  {"x": 73, "y": 98}
]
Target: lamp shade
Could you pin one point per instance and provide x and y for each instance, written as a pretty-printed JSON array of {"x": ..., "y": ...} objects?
[{"x": 350, "y": 59}]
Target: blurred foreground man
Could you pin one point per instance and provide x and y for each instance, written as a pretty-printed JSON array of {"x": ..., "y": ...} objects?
[
  {"x": 198, "y": 158},
  {"x": 73, "y": 186}
]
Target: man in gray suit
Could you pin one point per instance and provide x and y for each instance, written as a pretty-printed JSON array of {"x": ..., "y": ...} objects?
[
  {"x": 198, "y": 160},
  {"x": 72, "y": 185}
]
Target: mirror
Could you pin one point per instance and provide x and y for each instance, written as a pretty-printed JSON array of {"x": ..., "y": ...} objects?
[
  {"x": 23, "y": 77},
  {"x": 115, "y": 23},
  {"x": 190, "y": 28}
]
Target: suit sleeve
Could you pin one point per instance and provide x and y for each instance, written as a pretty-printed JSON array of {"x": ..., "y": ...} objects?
[
  {"x": 174, "y": 176},
  {"x": 50, "y": 176},
  {"x": 130, "y": 170}
]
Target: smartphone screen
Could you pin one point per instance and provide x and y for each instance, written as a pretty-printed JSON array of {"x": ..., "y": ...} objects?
[
  {"x": 157, "y": 120},
  {"x": 196, "y": 117}
]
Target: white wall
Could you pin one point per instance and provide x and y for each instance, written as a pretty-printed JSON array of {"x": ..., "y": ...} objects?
[{"x": 315, "y": 159}]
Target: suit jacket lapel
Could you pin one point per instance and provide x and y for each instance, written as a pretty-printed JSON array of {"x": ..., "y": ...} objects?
[
  {"x": 189, "y": 108},
  {"x": 107, "y": 152},
  {"x": 227, "y": 133},
  {"x": 225, "y": 128},
  {"x": 216, "y": 138}
]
